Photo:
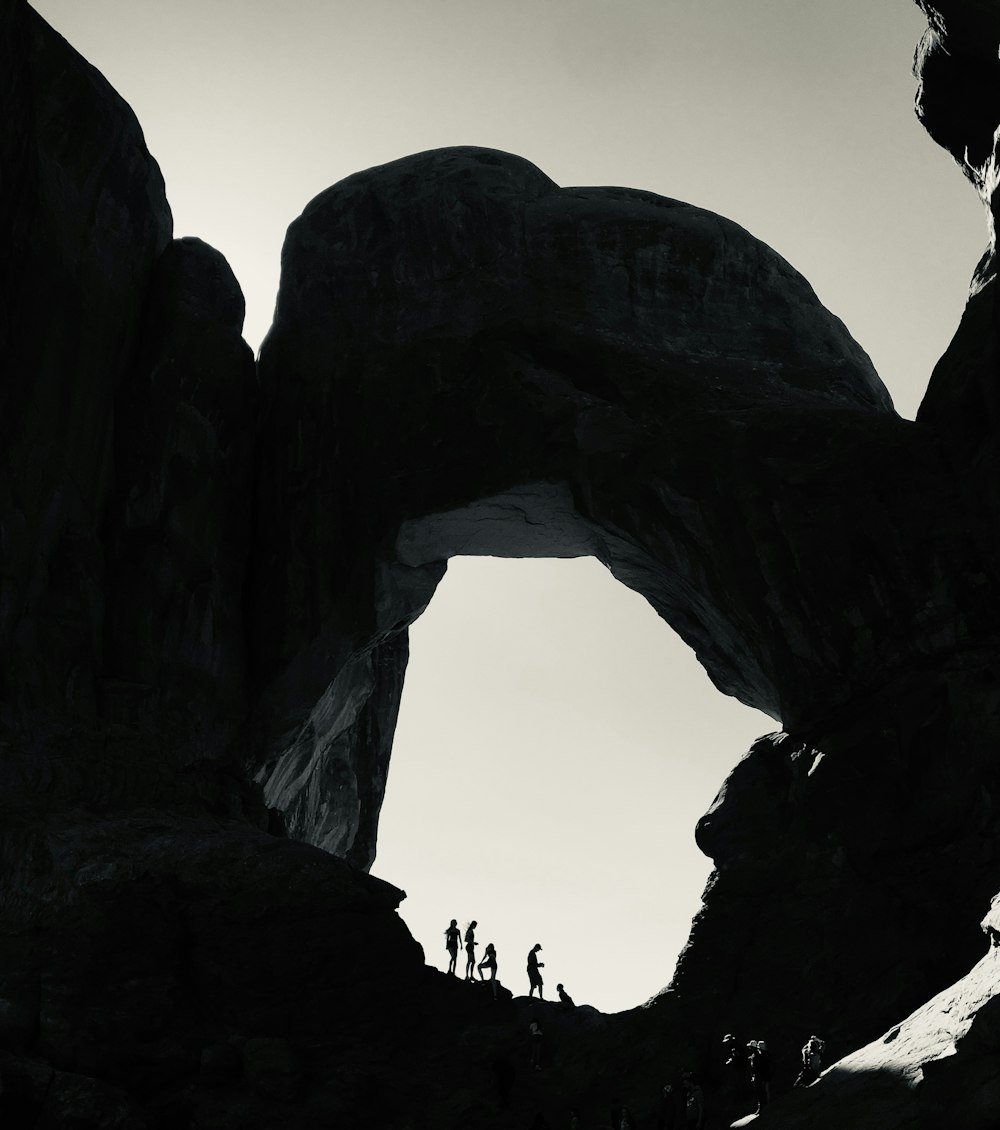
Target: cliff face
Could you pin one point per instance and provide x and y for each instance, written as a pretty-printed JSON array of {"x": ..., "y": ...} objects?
[
  {"x": 209, "y": 572},
  {"x": 144, "y": 904},
  {"x": 84, "y": 218}
]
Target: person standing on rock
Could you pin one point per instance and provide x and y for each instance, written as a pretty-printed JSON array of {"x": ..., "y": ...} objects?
[
  {"x": 535, "y": 1035},
  {"x": 760, "y": 1072},
  {"x": 452, "y": 936},
  {"x": 736, "y": 1055},
  {"x": 470, "y": 950},
  {"x": 534, "y": 977},
  {"x": 812, "y": 1062},
  {"x": 694, "y": 1103},
  {"x": 666, "y": 1108},
  {"x": 737, "y": 1062},
  {"x": 489, "y": 962}
]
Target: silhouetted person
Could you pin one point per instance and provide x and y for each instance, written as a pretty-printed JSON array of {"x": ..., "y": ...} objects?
[
  {"x": 737, "y": 1064},
  {"x": 736, "y": 1055},
  {"x": 535, "y": 1035},
  {"x": 504, "y": 1072},
  {"x": 534, "y": 977},
  {"x": 667, "y": 1109},
  {"x": 694, "y": 1103},
  {"x": 489, "y": 962},
  {"x": 452, "y": 936},
  {"x": 812, "y": 1061},
  {"x": 470, "y": 950},
  {"x": 565, "y": 998},
  {"x": 760, "y": 1072}
]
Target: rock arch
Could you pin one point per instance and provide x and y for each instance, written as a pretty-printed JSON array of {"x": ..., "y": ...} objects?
[{"x": 470, "y": 356}]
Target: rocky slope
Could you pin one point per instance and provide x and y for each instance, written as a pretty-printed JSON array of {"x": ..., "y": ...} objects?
[{"x": 209, "y": 571}]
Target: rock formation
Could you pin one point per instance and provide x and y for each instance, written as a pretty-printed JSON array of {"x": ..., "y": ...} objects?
[
  {"x": 144, "y": 902},
  {"x": 209, "y": 572}
]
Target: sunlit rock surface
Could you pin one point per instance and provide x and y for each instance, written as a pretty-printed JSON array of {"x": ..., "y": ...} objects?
[{"x": 937, "y": 1067}]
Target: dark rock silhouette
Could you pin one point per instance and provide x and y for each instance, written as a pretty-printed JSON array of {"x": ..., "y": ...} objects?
[
  {"x": 208, "y": 574},
  {"x": 560, "y": 346}
]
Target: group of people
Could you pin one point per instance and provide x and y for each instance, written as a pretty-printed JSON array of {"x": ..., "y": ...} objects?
[
  {"x": 683, "y": 1107},
  {"x": 755, "y": 1060},
  {"x": 677, "y": 1108},
  {"x": 452, "y": 938}
]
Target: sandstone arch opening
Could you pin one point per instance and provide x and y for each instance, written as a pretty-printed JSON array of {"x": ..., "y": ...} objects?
[{"x": 555, "y": 746}]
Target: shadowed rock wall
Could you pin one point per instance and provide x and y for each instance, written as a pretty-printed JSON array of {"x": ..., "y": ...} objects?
[
  {"x": 146, "y": 908},
  {"x": 84, "y": 218}
]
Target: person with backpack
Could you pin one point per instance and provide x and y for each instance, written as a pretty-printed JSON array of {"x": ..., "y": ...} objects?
[
  {"x": 452, "y": 937},
  {"x": 812, "y": 1062}
]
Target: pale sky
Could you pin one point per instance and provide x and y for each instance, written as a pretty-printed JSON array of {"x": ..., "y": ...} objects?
[{"x": 557, "y": 742}]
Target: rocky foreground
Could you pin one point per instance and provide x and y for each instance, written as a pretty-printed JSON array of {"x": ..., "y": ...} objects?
[{"x": 210, "y": 566}]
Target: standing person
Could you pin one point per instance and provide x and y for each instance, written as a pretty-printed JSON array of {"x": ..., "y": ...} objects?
[
  {"x": 534, "y": 977},
  {"x": 760, "y": 1072},
  {"x": 812, "y": 1061},
  {"x": 489, "y": 962},
  {"x": 536, "y": 1035},
  {"x": 452, "y": 936},
  {"x": 737, "y": 1063},
  {"x": 470, "y": 950},
  {"x": 694, "y": 1103},
  {"x": 736, "y": 1056},
  {"x": 666, "y": 1108}
]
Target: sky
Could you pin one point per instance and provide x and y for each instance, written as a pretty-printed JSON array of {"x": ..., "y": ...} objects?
[{"x": 557, "y": 742}]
